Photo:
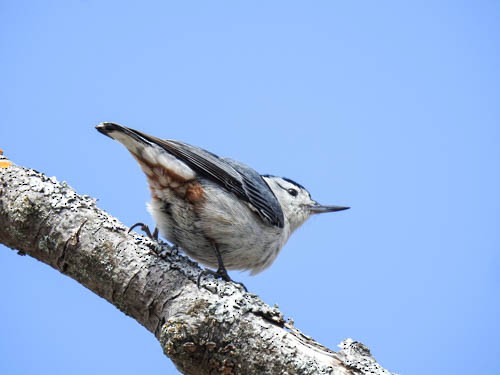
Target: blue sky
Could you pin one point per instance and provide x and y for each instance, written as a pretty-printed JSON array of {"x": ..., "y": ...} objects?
[{"x": 389, "y": 107}]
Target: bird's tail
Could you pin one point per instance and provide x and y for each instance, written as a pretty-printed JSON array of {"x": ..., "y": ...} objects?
[{"x": 149, "y": 151}]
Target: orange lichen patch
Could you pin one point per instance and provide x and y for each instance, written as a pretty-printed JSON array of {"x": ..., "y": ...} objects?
[
  {"x": 194, "y": 192},
  {"x": 5, "y": 163}
]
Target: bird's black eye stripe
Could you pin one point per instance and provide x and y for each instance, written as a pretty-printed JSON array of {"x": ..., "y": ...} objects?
[{"x": 293, "y": 192}]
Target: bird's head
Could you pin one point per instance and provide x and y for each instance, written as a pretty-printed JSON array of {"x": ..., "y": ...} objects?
[{"x": 296, "y": 201}]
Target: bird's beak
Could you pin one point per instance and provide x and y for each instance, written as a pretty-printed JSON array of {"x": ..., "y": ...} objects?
[{"x": 317, "y": 208}]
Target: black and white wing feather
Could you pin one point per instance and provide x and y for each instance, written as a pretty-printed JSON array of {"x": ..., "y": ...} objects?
[{"x": 234, "y": 176}]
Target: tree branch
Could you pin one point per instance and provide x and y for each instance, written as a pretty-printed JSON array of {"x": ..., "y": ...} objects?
[{"x": 217, "y": 328}]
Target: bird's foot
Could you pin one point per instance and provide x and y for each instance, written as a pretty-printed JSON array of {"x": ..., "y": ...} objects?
[
  {"x": 153, "y": 236},
  {"x": 222, "y": 274}
]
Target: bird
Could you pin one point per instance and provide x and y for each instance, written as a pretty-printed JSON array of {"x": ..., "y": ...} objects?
[{"x": 219, "y": 211}]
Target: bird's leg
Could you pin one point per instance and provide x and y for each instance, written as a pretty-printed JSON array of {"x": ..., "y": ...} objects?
[
  {"x": 145, "y": 229},
  {"x": 159, "y": 248},
  {"x": 221, "y": 272}
]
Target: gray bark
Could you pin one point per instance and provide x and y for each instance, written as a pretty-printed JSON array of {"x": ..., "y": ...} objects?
[{"x": 217, "y": 328}]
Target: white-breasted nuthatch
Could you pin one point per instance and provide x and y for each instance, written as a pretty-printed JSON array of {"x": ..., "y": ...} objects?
[{"x": 219, "y": 211}]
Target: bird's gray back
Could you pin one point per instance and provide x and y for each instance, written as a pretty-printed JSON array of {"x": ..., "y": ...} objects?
[
  {"x": 260, "y": 193},
  {"x": 234, "y": 176}
]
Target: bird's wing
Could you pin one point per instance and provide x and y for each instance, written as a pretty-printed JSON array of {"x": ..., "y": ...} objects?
[{"x": 235, "y": 177}]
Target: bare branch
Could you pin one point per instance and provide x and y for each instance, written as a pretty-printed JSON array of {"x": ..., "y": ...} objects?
[{"x": 215, "y": 329}]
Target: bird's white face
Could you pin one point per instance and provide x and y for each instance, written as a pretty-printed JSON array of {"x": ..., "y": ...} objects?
[{"x": 295, "y": 201}]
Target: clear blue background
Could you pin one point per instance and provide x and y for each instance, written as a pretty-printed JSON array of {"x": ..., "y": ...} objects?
[{"x": 390, "y": 107}]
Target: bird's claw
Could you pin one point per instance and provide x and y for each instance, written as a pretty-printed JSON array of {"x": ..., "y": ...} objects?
[
  {"x": 145, "y": 229},
  {"x": 219, "y": 274}
]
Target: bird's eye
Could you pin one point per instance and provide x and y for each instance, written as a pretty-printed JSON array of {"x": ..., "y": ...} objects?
[{"x": 292, "y": 192}]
